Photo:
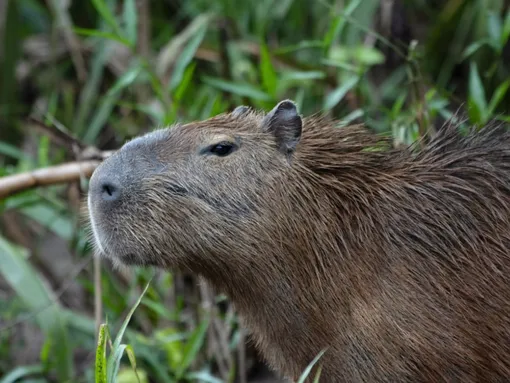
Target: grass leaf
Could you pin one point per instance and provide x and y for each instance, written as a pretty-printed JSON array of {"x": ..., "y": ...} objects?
[
  {"x": 103, "y": 9},
  {"x": 12, "y": 151},
  {"x": 101, "y": 34},
  {"x": 100, "y": 368},
  {"x": 188, "y": 53},
  {"x": 20, "y": 372},
  {"x": 114, "y": 363},
  {"x": 338, "y": 24},
  {"x": 498, "y": 95},
  {"x": 336, "y": 96},
  {"x": 267, "y": 71},
  {"x": 203, "y": 376},
  {"x": 101, "y": 117},
  {"x": 476, "y": 99},
  {"x": 239, "y": 89},
  {"x": 192, "y": 347},
  {"x": 494, "y": 28},
  {"x": 39, "y": 299},
  {"x": 132, "y": 359},
  {"x": 125, "y": 80},
  {"x": 308, "y": 369},
  {"x": 472, "y": 48},
  {"x": 117, "y": 348},
  {"x": 50, "y": 218},
  {"x": 91, "y": 90},
  {"x": 130, "y": 19},
  {"x": 505, "y": 35}
]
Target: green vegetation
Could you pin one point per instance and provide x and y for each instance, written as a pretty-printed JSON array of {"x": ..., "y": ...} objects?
[{"x": 82, "y": 74}]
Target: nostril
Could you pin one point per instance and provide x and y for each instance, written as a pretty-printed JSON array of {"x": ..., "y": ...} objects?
[{"x": 109, "y": 191}]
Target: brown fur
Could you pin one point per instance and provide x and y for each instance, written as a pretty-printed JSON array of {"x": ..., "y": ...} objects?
[{"x": 396, "y": 261}]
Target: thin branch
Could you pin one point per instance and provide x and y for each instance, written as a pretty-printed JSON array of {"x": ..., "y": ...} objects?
[
  {"x": 59, "y": 136},
  {"x": 241, "y": 357},
  {"x": 225, "y": 64},
  {"x": 98, "y": 294},
  {"x": 144, "y": 35},
  {"x": 54, "y": 298},
  {"x": 52, "y": 175},
  {"x": 143, "y": 47}
]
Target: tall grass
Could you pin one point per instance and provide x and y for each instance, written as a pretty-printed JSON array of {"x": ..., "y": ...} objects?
[{"x": 95, "y": 73}]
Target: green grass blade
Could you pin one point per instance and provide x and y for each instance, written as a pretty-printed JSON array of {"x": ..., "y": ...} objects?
[
  {"x": 308, "y": 369},
  {"x": 132, "y": 359},
  {"x": 495, "y": 28},
  {"x": 21, "y": 372},
  {"x": 476, "y": 99},
  {"x": 100, "y": 368},
  {"x": 358, "y": 113},
  {"x": 101, "y": 117},
  {"x": 168, "y": 53},
  {"x": 114, "y": 363},
  {"x": 117, "y": 347},
  {"x": 14, "y": 152},
  {"x": 90, "y": 94},
  {"x": 188, "y": 53},
  {"x": 317, "y": 375},
  {"x": 186, "y": 80},
  {"x": 299, "y": 76},
  {"x": 473, "y": 48},
  {"x": 338, "y": 94},
  {"x": 267, "y": 71},
  {"x": 202, "y": 376},
  {"x": 338, "y": 24},
  {"x": 192, "y": 348},
  {"x": 498, "y": 95},
  {"x": 130, "y": 18},
  {"x": 51, "y": 219},
  {"x": 27, "y": 284},
  {"x": 106, "y": 14},
  {"x": 239, "y": 89},
  {"x": 101, "y": 34},
  {"x": 125, "y": 80},
  {"x": 505, "y": 35}
]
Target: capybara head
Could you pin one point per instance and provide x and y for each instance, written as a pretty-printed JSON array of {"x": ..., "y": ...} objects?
[{"x": 176, "y": 193}]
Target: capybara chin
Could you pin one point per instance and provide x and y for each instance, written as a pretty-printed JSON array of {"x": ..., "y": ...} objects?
[{"x": 394, "y": 261}]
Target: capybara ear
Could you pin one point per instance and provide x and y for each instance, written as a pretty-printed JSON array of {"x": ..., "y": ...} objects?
[
  {"x": 286, "y": 125},
  {"x": 240, "y": 110}
]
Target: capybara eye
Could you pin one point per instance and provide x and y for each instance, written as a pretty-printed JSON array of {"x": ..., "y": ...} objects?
[{"x": 222, "y": 149}]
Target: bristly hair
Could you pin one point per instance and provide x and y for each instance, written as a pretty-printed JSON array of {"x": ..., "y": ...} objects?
[{"x": 326, "y": 149}]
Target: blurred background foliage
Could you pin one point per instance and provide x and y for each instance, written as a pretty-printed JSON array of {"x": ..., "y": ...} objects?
[{"x": 77, "y": 75}]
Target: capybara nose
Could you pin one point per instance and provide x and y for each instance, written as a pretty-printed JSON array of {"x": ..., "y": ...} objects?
[{"x": 110, "y": 191}]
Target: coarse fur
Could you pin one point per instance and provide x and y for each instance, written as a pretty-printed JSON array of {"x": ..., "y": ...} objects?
[{"x": 395, "y": 261}]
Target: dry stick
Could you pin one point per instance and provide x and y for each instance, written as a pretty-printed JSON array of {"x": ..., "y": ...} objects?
[
  {"x": 98, "y": 306},
  {"x": 65, "y": 173},
  {"x": 215, "y": 342},
  {"x": 143, "y": 42},
  {"x": 241, "y": 357},
  {"x": 226, "y": 72},
  {"x": 144, "y": 38},
  {"x": 59, "y": 136}
]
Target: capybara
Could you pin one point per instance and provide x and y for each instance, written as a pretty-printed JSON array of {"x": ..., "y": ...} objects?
[{"x": 395, "y": 261}]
